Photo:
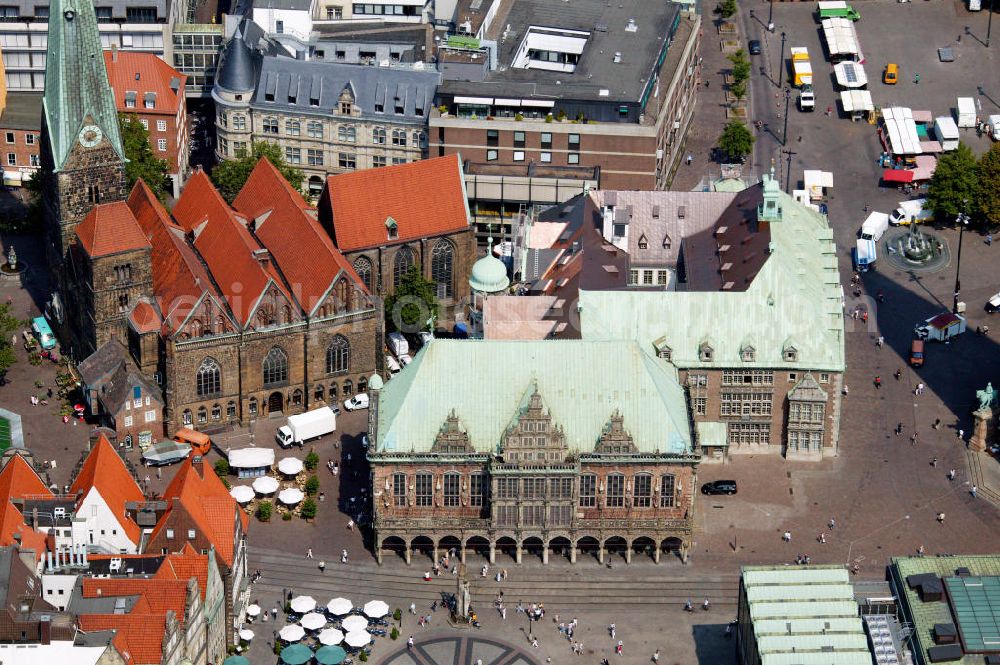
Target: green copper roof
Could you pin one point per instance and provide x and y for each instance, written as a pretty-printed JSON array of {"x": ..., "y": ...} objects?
[
  {"x": 485, "y": 382},
  {"x": 805, "y": 615},
  {"x": 76, "y": 81},
  {"x": 794, "y": 302}
]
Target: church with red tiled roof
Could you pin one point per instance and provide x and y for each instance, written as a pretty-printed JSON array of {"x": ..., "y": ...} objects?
[{"x": 234, "y": 311}]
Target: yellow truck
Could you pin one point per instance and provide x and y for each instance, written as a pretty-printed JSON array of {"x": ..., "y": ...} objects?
[{"x": 801, "y": 67}]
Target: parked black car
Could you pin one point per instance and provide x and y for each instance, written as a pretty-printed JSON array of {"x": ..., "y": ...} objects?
[
  {"x": 754, "y": 47},
  {"x": 719, "y": 487}
]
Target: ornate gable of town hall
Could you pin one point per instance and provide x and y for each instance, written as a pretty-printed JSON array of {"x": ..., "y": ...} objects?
[
  {"x": 615, "y": 440},
  {"x": 533, "y": 437}
]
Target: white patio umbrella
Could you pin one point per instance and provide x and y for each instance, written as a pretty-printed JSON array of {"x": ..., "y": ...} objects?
[
  {"x": 312, "y": 621},
  {"x": 290, "y": 466},
  {"x": 265, "y": 485},
  {"x": 330, "y": 636},
  {"x": 354, "y": 623},
  {"x": 246, "y": 634},
  {"x": 303, "y": 604},
  {"x": 339, "y": 606},
  {"x": 253, "y": 610},
  {"x": 292, "y": 633},
  {"x": 358, "y": 638},
  {"x": 376, "y": 609},
  {"x": 290, "y": 496},
  {"x": 242, "y": 493}
]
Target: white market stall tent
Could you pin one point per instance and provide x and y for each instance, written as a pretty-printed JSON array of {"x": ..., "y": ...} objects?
[{"x": 251, "y": 462}]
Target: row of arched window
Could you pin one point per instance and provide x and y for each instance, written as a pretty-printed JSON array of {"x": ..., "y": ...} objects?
[
  {"x": 320, "y": 394},
  {"x": 208, "y": 379},
  {"x": 442, "y": 267},
  {"x": 345, "y": 133}
]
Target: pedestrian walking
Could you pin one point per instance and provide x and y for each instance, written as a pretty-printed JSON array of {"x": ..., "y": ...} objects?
[
  {"x": 937, "y": 423},
  {"x": 690, "y": 159},
  {"x": 656, "y": 654},
  {"x": 618, "y": 649},
  {"x": 973, "y": 491},
  {"x": 413, "y": 608},
  {"x": 787, "y": 537},
  {"x": 951, "y": 475},
  {"x": 611, "y": 629},
  {"x": 934, "y": 461},
  {"x": 309, "y": 553},
  {"x": 350, "y": 525},
  {"x": 989, "y": 243},
  {"x": 832, "y": 524},
  {"x": 503, "y": 614},
  {"x": 534, "y": 642},
  {"x": 899, "y": 429},
  {"x": 878, "y": 382},
  {"x": 920, "y": 551},
  {"x": 343, "y": 556},
  {"x": 916, "y": 79},
  {"x": 274, "y": 613},
  {"x": 961, "y": 433},
  {"x": 913, "y": 439},
  {"x": 898, "y": 373},
  {"x": 409, "y": 642},
  {"x": 880, "y": 341},
  {"x": 822, "y": 538},
  {"x": 940, "y": 518},
  {"x": 322, "y": 566}
]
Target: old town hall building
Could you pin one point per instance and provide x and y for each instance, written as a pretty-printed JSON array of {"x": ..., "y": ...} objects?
[{"x": 564, "y": 447}]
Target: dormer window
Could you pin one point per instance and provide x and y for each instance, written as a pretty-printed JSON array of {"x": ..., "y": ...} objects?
[
  {"x": 345, "y": 108},
  {"x": 392, "y": 229},
  {"x": 666, "y": 242},
  {"x": 664, "y": 353},
  {"x": 748, "y": 354},
  {"x": 643, "y": 243},
  {"x": 706, "y": 353},
  {"x": 790, "y": 354}
]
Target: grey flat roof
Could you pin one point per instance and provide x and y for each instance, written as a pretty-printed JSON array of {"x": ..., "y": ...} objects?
[
  {"x": 596, "y": 69},
  {"x": 24, "y": 111},
  {"x": 299, "y": 5}
]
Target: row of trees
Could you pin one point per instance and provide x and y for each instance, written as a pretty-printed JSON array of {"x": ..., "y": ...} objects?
[{"x": 963, "y": 184}]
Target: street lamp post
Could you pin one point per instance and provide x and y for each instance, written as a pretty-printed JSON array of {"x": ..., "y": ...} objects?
[
  {"x": 770, "y": 16},
  {"x": 781, "y": 60},
  {"x": 788, "y": 170},
  {"x": 989, "y": 25},
  {"x": 784, "y": 134},
  {"x": 963, "y": 221}
]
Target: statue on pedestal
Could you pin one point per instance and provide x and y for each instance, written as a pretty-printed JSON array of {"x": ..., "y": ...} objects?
[
  {"x": 984, "y": 425},
  {"x": 463, "y": 596}
]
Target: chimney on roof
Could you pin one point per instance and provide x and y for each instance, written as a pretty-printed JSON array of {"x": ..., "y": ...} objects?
[
  {"x": 114, "y": 53},
  {"x": 263, "y": 256},
  {"x": 197, "y": 463},
  {"x": 45, "y": 629}
]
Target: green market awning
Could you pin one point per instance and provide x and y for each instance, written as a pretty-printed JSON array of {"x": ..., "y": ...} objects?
[
  {"x": 330, "y": 655},
  {"x": 296, "y": 654}
]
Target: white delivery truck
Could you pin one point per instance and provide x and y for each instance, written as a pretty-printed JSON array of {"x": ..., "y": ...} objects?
[
  {"x": 864, "y": 255},
  {"x": 993, "y": 127},
  {"x": 965, "y": 112},
  {"x": 873, "y": 227},
  {"x": 305, "y": 426},
  {"x": 911, "y": 212},
  {"x": 942, "y": 327},
  {"x": 946, "y": 132},
  {"x": 807, "y": 99},
  {"x": 398, "y": 344}
]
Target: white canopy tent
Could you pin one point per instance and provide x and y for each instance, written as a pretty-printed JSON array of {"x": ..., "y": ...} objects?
[
  {"x": 330, "y": 636},
  {"x": 246, "y": 635},
  {"x": 816, "y": 182},
  {"x": 850, "y": 75},
  {"x": 253, "y": 610},
  {"x": 841, "y": 39},
  {"x": 303, "y": 604},
  {"x": 293, "y": 633},
  {"x": 312, "y": 621},
  {"x": 857, "y": 101},
  {"x": 290, "y": 496},
  {"x": 242, "y": 493},
  {"x": 354, "y": 623},
  {"x": 901, "y": 131},
  {"x": 339, "y": 606},
  {"x": 376, "y": 609},
  {"x": 265, "y": 485},
  {"x": 290, "y": 466},
  {"x": 358, "y": 638},
  {"x": 251, "y": 458}
]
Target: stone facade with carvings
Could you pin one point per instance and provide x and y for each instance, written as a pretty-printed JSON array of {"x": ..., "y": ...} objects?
[{"x": 553, "y": 481}]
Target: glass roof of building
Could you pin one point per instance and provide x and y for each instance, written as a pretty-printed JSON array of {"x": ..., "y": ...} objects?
[{"x": 975, "y": 603}]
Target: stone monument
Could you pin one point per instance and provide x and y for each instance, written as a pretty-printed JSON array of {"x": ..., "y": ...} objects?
[
  {"x": 984, "y": 425},
  {"x": 463, "y": 596}
]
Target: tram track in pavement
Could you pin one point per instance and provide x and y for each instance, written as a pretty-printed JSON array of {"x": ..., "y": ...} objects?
[{"x": 588, "y": 585}]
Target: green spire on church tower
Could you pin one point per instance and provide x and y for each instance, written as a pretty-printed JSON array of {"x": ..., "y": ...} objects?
[{"x": 79, "y": 103}]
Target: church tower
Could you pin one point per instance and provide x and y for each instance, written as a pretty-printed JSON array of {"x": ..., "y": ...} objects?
[{"x": 82, "y": 155}]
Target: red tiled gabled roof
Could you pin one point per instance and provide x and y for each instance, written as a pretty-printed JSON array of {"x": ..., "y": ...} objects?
[
  {"x": 144, "y": 318},
  {"x": 226, "y": 246},
  {"x": 184, "y": 565},
  {"x": 14, "y": 530},
  {"x": 179, "y": 278},
  {"x": 140, "y": 73},
  {"x": 105, "y": 471},
  {"x": 138, "y": 637},
  {"x": 110, "y": 228},
  {"x": 425, "y": 198},
  {"x": 286, "y": 225},
  {"x": 207, "y": 501},
  {"x": 19, "y": 480},
  {"x": 160, "y": 594}
]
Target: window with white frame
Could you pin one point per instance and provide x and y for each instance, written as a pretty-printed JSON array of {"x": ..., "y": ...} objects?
[
  {"x": 150, "y": 416},
  {"x": 161, "y": 145},
  {"x": 161, "y": 125}
]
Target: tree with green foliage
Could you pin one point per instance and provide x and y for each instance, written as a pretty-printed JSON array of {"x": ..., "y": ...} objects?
[
  {"x": 413, "y": 304},
  {"x": 312, "y": 485},
  {"x": 221, "y": 468},
  {"x": 736, "y": 140},
  {"x": 142, "y": 163},
  {"x": 953, "y": 186},
  {"x": 308, "y": 510},
  {"x": 726, "y": 8},
  {"x": 738, "y": 90},
  {"x": 741, "y": 66},
  {"x": 988, "y": 194},
  {"x": 10, "y": 326},
  {"x": 312, "y": 460},
  {"x": 230, "y": 176},
  {"x": 264, "y": 511}
]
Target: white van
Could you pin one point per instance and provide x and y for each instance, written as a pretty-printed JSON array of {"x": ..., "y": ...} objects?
[
  {"x": 398, "y": 344},
  {"x": 873, "y": 227},
  {"x": 912, "y": 211}
]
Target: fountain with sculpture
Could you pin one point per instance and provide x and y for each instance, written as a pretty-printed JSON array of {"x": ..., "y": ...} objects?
[
  {"x": 12, "y": 265},
  {"x": 916, "y": 249}
]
